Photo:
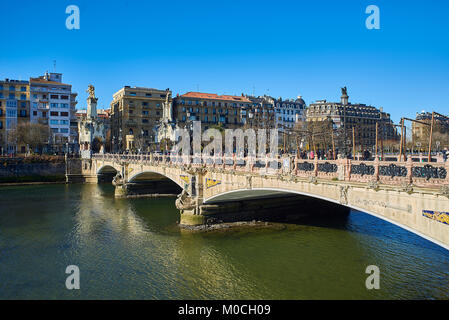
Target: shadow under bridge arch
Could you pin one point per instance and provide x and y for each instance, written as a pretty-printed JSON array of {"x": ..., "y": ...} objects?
[
  {"x": 106, "y": 173},
  {"x": 149, "y": 182},
  {"x": 276, "y": 205}
]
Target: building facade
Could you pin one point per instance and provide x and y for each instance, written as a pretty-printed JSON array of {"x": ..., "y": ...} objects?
[
  {"x": 14, "y": 109},
  {"x": 212, "y": 110},
  {"x": 261, "y": 114},
  {"x": 53, "y": 103},
  {"x": 135, "y": 115},
  {"x": 289, "y": 112},
  {"x": 345, "y": 116},
  {"x": 421, "y": 130}
]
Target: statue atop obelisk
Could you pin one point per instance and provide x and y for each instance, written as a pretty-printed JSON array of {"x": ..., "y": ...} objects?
[{"x": 91, "y": 103}]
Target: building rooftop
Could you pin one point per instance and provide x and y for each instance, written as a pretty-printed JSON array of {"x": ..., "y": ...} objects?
[
  {"x": 15, "y": 81},
  {"x": 214, "y": 96},
  {"x": 44, "y": 81}
]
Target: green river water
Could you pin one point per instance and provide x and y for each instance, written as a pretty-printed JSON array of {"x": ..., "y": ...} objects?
[{"x": 133, "y": 249}]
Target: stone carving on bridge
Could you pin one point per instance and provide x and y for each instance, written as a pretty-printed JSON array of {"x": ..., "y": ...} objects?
[
  {"x": 184, "y": 201},
  {"x": 393, "y": 171},
  {"x": 362, "y": 169},
  {"x": 373, "y": 184},
  {"x": 407, "y": 187},
  {"x": 249, "y": 182},
  {"x": 344, "y": 194},
  {"x": 118, "y": 180},
  {"x": 194, "y": 170},
  {"x": 445, "y": 191},
  {"x": 429, "y": 172},
  {"x": 313, "y": 180}
]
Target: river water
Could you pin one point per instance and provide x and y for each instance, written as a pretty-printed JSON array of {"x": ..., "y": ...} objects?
[{"x": 132, "y": 249}]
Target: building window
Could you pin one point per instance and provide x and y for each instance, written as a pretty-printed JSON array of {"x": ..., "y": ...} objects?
[
  {"x": 54, "y": 113},
  {"x": 144, "y": 120},
  {"x": 12, "y": 88},
  {"x": 1, "y": 125},
  {"x": 54, "y": 96},
  {"x": 23, "y": 113},
  {"x": 23, "y": 89}
]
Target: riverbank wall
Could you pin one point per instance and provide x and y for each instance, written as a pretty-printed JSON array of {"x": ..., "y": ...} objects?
[{"x": 32, "y": 169}]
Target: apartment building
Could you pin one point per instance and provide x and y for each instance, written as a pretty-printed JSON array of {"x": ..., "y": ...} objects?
[
  {"x": 211, "y": 109},
  {"x": 135, "y": 113},
  {"x": 261, "y": 114},
  {"x": 53, "y": 103},
  {"x": 289, "y": 112},
  {"x": 421, "y": 130},
  {"x": 14, "y": 108},
  {"x": 361, "y": 117}
]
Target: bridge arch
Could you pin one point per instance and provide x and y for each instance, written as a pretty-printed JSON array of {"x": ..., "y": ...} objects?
[
  {"x": 148, "y": 175},
  {"x": 108, "y": 169},
  {"x": 227, "y": 196}
]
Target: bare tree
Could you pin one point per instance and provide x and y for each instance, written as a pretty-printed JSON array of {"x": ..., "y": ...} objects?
[{"x": 33, "y": 135}]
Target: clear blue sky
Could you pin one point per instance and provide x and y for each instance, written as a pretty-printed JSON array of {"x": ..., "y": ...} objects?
[{"x": 283, "y": 48}]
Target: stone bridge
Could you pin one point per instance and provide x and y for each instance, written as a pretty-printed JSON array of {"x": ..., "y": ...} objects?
[{"x": 414, "y": 196}]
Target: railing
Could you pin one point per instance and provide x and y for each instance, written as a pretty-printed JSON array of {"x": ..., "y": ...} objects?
[{"x": 435, "y": 174}]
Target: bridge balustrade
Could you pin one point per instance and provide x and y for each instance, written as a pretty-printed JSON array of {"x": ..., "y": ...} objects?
[{"x": 384, "y": 172}]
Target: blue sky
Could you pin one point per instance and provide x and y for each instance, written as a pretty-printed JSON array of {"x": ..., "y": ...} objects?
[{"x": 280, "y": 48}]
